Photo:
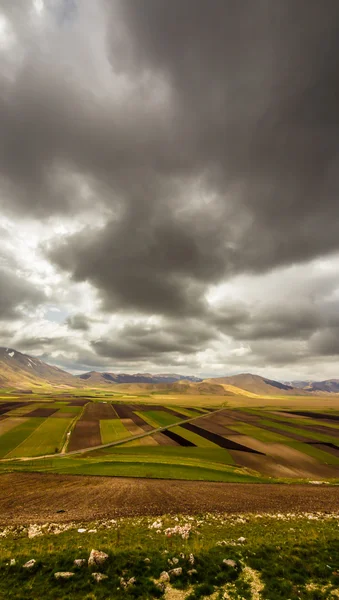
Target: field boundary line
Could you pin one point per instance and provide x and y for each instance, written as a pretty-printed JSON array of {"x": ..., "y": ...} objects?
[
  {"x": 66, "y": 438},
  {"x": 111, "y": 444}
]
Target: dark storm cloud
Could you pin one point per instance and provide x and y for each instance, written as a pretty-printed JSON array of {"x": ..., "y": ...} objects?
[
  {"x": 249, "y": 131},
  {"x": 147, "y": 342},
  {"x": 78, "y": 322},
  {"x": 209, "y": 141},
  {"x": 17, "y": 294}
]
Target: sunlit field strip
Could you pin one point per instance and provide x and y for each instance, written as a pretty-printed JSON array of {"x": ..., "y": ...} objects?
[
  {"x": 46, "y": 439},
  {"x": 112, "y": 430}
]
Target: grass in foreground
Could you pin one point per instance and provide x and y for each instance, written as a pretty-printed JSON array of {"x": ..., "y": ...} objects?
[{"x": 281, "y": 557}]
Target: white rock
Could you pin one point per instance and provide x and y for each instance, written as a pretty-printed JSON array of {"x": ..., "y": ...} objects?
[
  {"x": 82, "y": 530},
  {"x": 29, "y": 564},
  {"x": 192, "y": 572},
  {"x": 97, "y": 557},
  {"x": 241, "y": 540},
  {"x": 99, "y": 577},
  {"x": 63, "y": 575},
  {"x": 147, "y": 560},
  {"x": 131, "y": 581},
  {"x": 175, "y": 572},
  {"x": 191, "y": 559},
  {"x": 12, "y": 562},
  {"x": 164, "y": 576},
  {"x": 229, "y": 562},
  {"x": 92, "y": 531},
  {"x": 175, "y": 560},
  {"x": 80, "y": 562}
]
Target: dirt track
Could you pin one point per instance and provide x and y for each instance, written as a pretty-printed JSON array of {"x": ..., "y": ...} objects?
[{"x": 37, "y": 497}]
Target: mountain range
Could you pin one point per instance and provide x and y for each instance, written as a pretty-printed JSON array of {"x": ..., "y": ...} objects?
[{"x": 20, "y": 371}]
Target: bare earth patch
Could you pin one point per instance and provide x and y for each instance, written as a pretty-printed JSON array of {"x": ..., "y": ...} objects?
[{"x": 37, "y": 497}]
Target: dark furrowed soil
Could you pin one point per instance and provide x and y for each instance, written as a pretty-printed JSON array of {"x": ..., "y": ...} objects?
[
  {"x": 85, "y": 435},
  {"x": 36, "y": 498}
]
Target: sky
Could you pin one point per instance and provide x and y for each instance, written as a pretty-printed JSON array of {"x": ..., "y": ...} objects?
[{"x": 169, "y": 177}]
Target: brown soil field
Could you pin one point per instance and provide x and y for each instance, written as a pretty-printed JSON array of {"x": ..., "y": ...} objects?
[
  {"x": 98, "y": 411},
  {"x": 8, "y": 423},
  {"x": 42, "y": 412},
  {"x": 281, "y": 461},
  {"x": 6, "y": 406},
  {"x": 132, "y": 427},
  {"x": 126, "y": 412},
  {"x": 213, "y": 425},
  {"x": 85, "y": 435},
  {"x": 228, "y": 444},
  {"x": 164, "y": 440},
  {"x": 36, "y": 498}
]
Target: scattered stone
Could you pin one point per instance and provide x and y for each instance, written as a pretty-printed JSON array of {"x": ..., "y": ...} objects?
[
  {"x": 92, "y": 531},
  {"x": 131, "y": 581},
  {"x": 182, "y": 556},
  {"x": 80, "y": 562},
  {"x": 191, "y": 559},
  {"x": 147, "y": 561},
  {"x": 82, "y": 530},
  {"x": 97, "y": 558},
  {"x": 99, "y": 577},
  {"x": 192, "y": 572},
  {"x": 175, "y": 572},
  {"x": 29, "y": 564},
  {"x": 161, "y": 586},
  {"x": 164, "y": 576},
  {"x": 12, "y": 562},
  {"x": 229, "y": 562},
  {"x": 63, "y": 575},
  {"x": 175, "y": 560},
  {"x": 241, "y": 540}
]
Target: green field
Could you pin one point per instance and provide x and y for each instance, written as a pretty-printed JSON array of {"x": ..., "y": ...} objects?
[
  {"x": 112, "y": 430},
  {"x": 261, "y": 455},
  {"x": 10, "y": 440},
  {"x": 45, "y": 439}
]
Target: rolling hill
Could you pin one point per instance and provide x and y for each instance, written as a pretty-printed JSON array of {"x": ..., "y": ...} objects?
[
  {"x": 255, "y": 384},
  {"x": 21, "y": 371},
  {"x": 98, "y": 378}
]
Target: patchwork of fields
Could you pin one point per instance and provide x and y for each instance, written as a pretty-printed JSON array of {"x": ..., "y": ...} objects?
[{"x": 111, "y": 437}]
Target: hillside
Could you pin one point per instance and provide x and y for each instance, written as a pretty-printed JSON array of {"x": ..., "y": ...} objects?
[
  {"x": 21, "y": 371},
  {"x": 329, "y": 385},
  {"x": 98, "y": 378},
  {"x": 257, "y": 385}
]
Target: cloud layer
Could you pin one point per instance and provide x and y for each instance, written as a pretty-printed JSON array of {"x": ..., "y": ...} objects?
[{"x": 168, "y": 183}]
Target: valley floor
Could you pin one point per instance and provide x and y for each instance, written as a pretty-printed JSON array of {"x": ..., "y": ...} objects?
[{"x": 38, "y": 497}]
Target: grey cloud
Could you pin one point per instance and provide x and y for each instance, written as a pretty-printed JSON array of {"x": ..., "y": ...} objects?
[
  {"x": 206, "y": 133},
  {"x": 78, "y": 322},
  {"x": 148, "y": 342},
  {"x": 17, "y": 294}
]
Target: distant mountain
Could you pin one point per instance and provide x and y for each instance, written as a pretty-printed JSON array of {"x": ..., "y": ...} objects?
[
  {"x": 18, "y": 370},
  {"x": 98, "y": 378},
  {"x": 329, "y": 385},
  {"x": 254, "y": 384}
]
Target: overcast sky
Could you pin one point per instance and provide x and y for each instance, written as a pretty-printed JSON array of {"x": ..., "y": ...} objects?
[{"x": 169, "y": 178}]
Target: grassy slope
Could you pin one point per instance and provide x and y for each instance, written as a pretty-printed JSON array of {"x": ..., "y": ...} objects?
[{"x": 295, "y": 559}]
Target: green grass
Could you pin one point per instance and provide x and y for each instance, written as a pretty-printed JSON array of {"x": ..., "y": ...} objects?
[
  {"x": 160, "y": 418},
  {"x": 11, "y": 439},
  {"x": 186, "y": 412},
  {"x": 113, "y": 430},
  {"x": 45, "y": 439},
  {"x": 168, "y": 462},
  {"x": 259, "y": 434},
  {"x": 293, "y": 554}
]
